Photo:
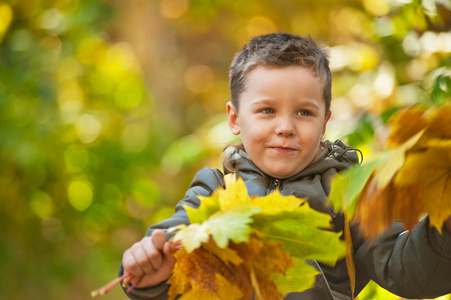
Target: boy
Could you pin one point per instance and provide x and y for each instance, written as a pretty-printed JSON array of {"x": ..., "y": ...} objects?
[{"x": 281, "y": 92}]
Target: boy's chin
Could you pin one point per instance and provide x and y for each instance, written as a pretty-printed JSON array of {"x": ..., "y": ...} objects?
[{"x": 282, "y": 174}]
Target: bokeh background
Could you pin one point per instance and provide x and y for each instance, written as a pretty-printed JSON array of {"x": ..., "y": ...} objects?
[{"x": 108, "y": 108}]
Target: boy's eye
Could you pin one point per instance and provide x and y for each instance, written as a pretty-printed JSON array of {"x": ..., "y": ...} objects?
[
  {"x": 304, "y": 113},
  {"x": 268, "y": 111}
]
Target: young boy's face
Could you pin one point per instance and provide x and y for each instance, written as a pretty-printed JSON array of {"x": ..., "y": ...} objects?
[{"x": 281, "y": 119}]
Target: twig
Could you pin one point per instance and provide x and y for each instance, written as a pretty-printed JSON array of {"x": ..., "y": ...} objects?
[
  {"x": 132, "y": 286},
  {"x": 109, "y": 286}
]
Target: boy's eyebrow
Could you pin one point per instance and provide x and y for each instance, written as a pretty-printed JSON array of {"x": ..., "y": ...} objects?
[{"x": 265, "y": 101}]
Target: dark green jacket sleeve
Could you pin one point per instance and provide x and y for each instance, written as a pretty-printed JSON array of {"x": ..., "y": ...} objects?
[
  {"x": 411, "y": 265},
  {"x": 204, "y": 184}
]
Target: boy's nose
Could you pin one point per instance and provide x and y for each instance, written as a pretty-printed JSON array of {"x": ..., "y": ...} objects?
[{"x": 285, "y": 128}]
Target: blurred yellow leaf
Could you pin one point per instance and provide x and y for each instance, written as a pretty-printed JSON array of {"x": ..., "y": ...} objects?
[
  {"x": 403, "y": 127},
  {"x": 415, "y": 176},
  {"x": 6, "y": 16}
]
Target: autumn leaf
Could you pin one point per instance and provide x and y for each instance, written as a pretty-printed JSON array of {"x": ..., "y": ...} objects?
[
  {"x": 260, "y": 261},
  {"x": 199, "y": 271},
  {"x": 412, "y": 177},
  {"x": 230, "y": 225},
  {"x": 403, "y": 128},
  {"x": 210, "y": 205},
  {"x": 431, "y": 170},
  {"x": 275, "y": 202},
  {"x": 347, "y": 186},
  {"x": 193, "y": 275},
  {"x": 227, "y": 255},
  {"x": 223, "y": 226},
  {"x": 301, "y": 235},
  {"x": 234, "y": 197},
  {"x": 279, "y": 273},
  {"x": 296, "y": 279},
  {"x": 349, "y": 258},
  {"x": 226, "y": 289},
  {"x": 439, "y": 121},
  {"x": 191, "y": 236},
  {"x": 392, "y": 161},
  {"x": 262, "y": 241}
]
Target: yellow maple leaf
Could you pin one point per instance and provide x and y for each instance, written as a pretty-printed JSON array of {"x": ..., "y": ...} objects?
[
  {"x": 274, "y": 202},
  {"x": 235, "y": 196}
]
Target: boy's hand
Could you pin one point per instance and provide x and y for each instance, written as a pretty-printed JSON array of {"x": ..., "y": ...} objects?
[{"x": 149, "y": 259}]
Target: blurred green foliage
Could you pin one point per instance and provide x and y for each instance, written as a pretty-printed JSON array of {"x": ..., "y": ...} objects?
[{"x": 108, "y": 108}]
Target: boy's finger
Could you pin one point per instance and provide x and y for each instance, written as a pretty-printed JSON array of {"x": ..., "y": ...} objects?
[
  {"x": 154, "y": 255},
  {"x": 130, "y": 264},
  {"x": 143, "y": 260},
  {"x": 169, "y": 258},
  {"x": 159, "y": 239}
]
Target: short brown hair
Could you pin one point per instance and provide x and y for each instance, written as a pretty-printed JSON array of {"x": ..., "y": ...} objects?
[{"x": 280, "y": 49}]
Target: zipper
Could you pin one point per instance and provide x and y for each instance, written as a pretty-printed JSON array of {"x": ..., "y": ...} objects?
[{"x": 274, "y": 185}]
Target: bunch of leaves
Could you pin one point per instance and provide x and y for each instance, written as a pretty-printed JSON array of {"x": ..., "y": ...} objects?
[
  {"x": 238, "y": 246},
  {"x": 411, "y": 178}
]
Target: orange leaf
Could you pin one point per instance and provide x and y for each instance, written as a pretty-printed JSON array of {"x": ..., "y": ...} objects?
[
  {"x": 349, "y": 258},
  {"x": 404, "y": 127},
  {"x": 371, "y": 209},
  {"x": 415, "y": 176},
  {"x": 271, "y": 260},
  {"x": 227, "y": 255},
  {"x": 196, "y": 273},
  {"x": 260, "y": 260},
  {"x": 439, "y": 122},
  {"x": 430, "y": 168}
]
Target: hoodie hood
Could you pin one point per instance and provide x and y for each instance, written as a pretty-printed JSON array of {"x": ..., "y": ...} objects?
[
  {"x": 336, "y": 155},
  {"x": 312, "y": 183}
]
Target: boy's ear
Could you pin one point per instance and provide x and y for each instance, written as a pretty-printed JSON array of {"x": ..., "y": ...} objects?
[
  {"x": 325, "y": 122},
  {"x": 232, "y": 118}
]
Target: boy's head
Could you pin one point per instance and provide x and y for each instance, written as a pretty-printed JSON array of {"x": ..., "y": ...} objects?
[{"x": 280, "y": 49}]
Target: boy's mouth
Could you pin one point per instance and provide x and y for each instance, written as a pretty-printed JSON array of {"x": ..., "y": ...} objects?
[{"x": 283, "y": 149}]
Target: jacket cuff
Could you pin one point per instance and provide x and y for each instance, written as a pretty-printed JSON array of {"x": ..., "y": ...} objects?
[
  {"x": 157, "y": 292},
  {"x": 441, "y": 243}
]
